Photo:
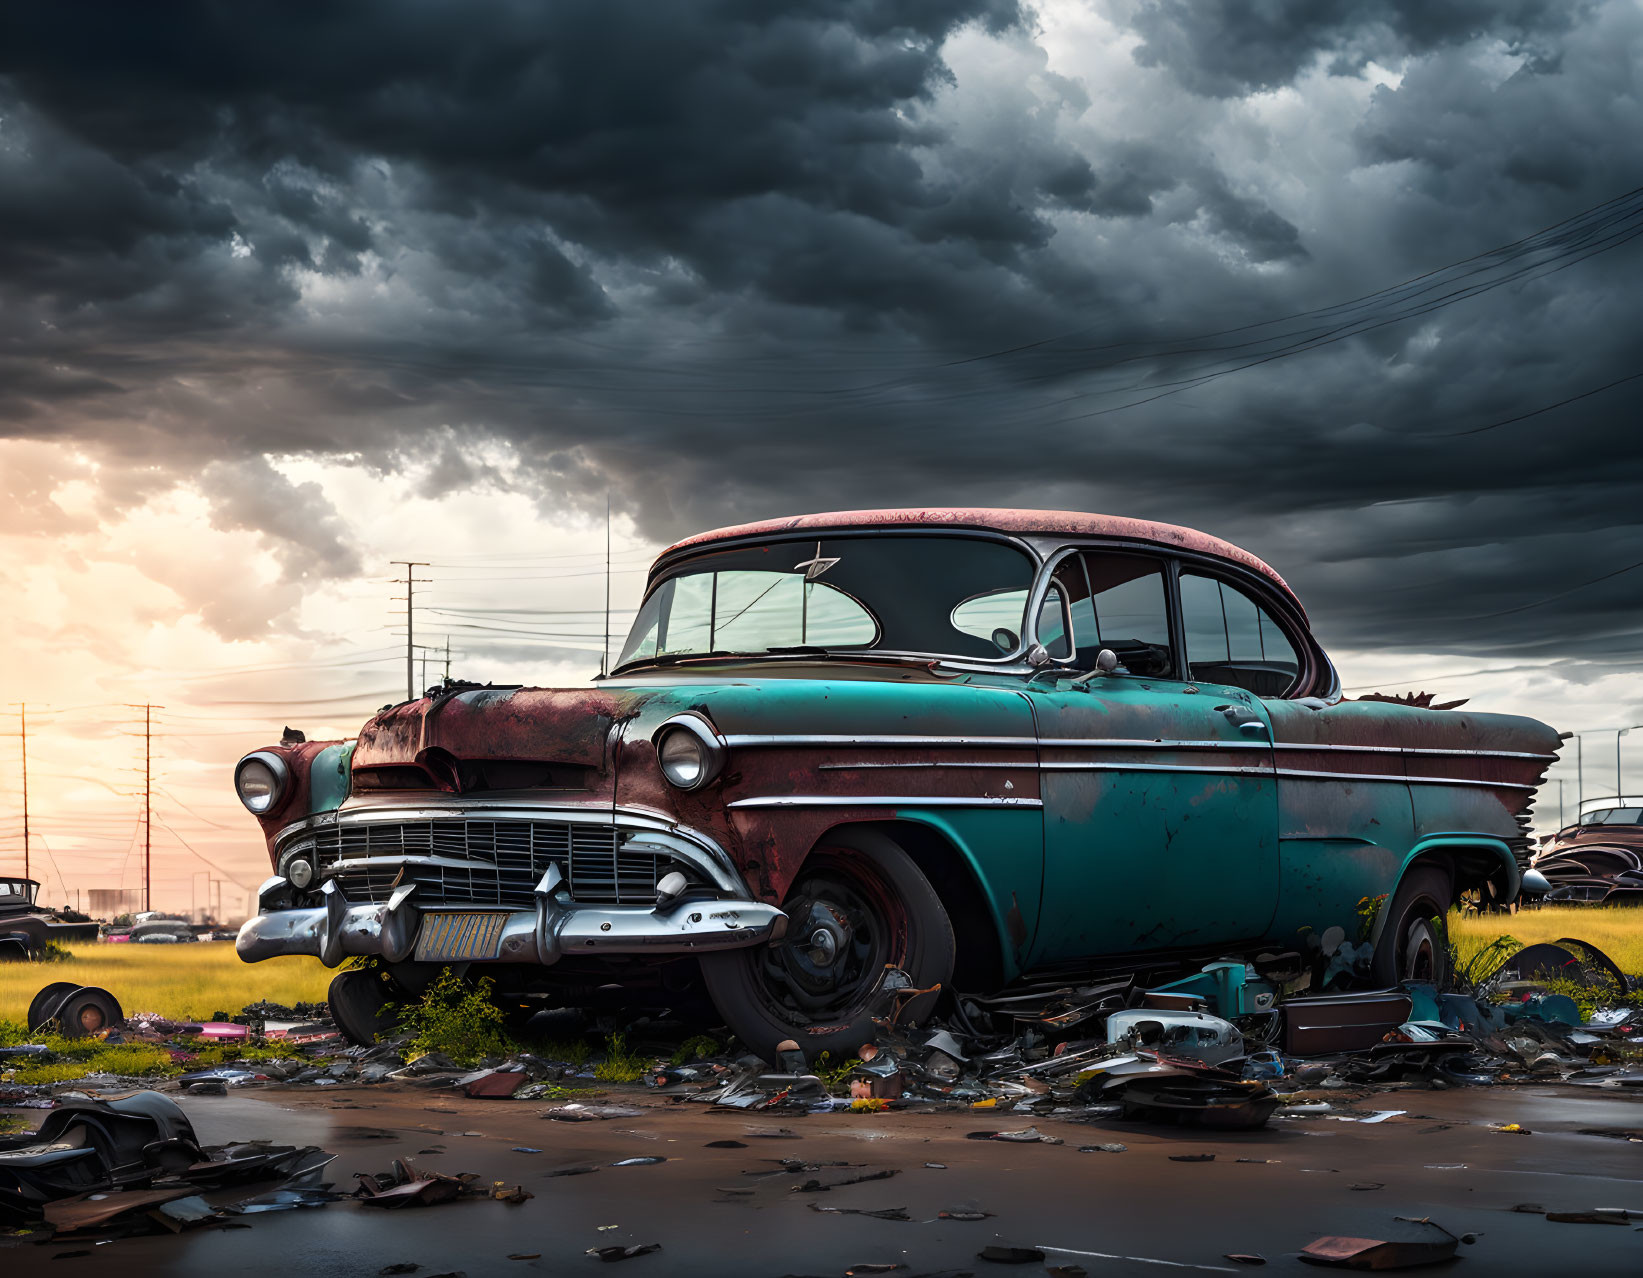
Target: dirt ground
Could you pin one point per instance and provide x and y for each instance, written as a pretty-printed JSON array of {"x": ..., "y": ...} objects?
[{"x": 1111, "y": 1213}]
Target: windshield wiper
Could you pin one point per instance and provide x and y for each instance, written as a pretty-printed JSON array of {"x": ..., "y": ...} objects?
[
  {"x": 798, "y": 649},
  {"x": 674, "y": 658}
]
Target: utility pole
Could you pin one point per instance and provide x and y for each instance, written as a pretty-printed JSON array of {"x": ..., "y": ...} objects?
[
  {"x": 23, "y": 710},
  {"x": 1580, "y": 780},
  {"x": 148, "y": 709},
  {"x": 148, "y": 807},
  {"x": 410, "y": 583},
  {"x": 447, "y": 658},
  {"x": 604, "y": 653}
]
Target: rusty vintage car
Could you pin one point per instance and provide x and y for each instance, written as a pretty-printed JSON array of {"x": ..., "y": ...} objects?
[
  {"x": 970, "y": 746},
  {"x": 27, "y": 927},
  {"x": 1596, "y": 861}
]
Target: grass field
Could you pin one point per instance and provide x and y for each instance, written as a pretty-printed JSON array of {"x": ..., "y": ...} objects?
[
  {"x": 1618, "y": 932},
  {"x": 193, "y": 981},
  {"x": 180, "y": 981}
]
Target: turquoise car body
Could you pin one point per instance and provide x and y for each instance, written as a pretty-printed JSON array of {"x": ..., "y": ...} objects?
[{"x": 1068, "y": 816}]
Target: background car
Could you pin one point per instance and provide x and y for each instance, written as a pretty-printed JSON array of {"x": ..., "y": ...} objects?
[{"x": 26, "y": 927}]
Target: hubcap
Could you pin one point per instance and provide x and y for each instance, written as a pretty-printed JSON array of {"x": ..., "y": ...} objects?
[
  {"x": 1420, "y": 952},
  {"x": 838, "y": 946}
]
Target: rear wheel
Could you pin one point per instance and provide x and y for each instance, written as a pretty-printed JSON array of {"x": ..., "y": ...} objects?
[
  {"x": 852, "y": 915},
  {"x": 1414, "y": 944}
]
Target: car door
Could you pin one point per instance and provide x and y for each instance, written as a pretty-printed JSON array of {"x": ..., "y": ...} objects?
[
  {"x": 1160, "y": 809},
  {"x": 1344, "y": 805}
]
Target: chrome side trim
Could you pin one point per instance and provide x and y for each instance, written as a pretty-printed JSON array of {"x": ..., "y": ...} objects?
[
  {"x": 1151, "y": 743},
  {"x": 755, "y": 740},
  {"x": 1294, "y": 774},
  {"x": 924, "y": 763},
  {"x": 1435, "y": 750},
  {"x": 881, "y": 800},
  {"x": 1219, "y": 770},
  {"x": 1298, "y": 774},
  {"x": 913, "y": 741}
]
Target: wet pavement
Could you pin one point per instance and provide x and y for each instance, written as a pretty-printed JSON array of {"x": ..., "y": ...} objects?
[{"x": 1119, "y": 1213}]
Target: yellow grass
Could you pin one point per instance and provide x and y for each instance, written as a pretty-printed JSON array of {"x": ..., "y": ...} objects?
[
  {"x": 191, "y": 980},
  {"x": 1617, "y": 931},
  {"x": 195, "y": 980}
]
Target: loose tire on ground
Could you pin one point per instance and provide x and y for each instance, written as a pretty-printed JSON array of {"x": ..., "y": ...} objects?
[
  {"x": 87, "y": 1011},
  {"x": 853, "y": 912},
  {"x": 1414, "y": 943},
  {"x": 40, "y": 1007}
]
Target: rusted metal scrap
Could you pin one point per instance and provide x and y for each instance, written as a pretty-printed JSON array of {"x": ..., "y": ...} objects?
[{"x": 1422, "y": 699}]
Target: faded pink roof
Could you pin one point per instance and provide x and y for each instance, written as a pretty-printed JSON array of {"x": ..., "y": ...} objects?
[{"x": 1070, "y": 523}]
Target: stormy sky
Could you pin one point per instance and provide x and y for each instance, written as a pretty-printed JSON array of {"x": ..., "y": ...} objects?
[{"x": 290, "y": 290}]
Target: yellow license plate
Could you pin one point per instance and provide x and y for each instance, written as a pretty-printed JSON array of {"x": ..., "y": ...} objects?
[{"x": 457, "y": 937}]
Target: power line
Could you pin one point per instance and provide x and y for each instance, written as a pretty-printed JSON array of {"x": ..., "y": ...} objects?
[
  {"x": 1489, "y": 616},
  {"x": 1536, "y": 412}
]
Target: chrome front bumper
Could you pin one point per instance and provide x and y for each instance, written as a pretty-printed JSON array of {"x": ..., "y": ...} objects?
[{"x": 339, "y": 929}]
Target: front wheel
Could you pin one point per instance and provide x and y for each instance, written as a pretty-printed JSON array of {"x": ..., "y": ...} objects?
[
  {"x": 852, "y": 914},
  {"x": 360, "y": 1003},
  {"x": 1414, "y": 944}
]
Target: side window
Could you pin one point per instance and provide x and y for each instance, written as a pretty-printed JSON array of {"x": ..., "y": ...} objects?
[
  {"x": 1231, "y": 639},
  {"x": 1052, "y": 623},
  {"x": 1121, "y": 604}
]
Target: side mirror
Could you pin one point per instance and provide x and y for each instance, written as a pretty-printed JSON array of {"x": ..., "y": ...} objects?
[
  {"x": 1106, "y": 661},
  {"x": 1037, "y": 655}
]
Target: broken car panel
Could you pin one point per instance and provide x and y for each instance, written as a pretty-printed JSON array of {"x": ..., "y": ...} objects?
[{"x": 968, "y": 745}]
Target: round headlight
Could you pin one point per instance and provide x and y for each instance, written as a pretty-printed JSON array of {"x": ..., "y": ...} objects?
[
  {"x": 260, "y": 781},
  {"x": 683, "y": 758},
  {"x": 690, "y": 751}
]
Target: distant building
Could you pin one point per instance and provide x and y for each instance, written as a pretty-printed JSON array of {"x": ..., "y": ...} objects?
[{"x": 105, "y": 903}]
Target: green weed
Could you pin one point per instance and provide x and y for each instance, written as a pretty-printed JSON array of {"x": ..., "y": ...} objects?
[
  {"x": 207, "y": 1052},
  {"x": 575, "y": 1052},
  {"x": 620, "y": 1064},
  {"x": 460, "y": 1020},
  {"x": 77, "y": 1057},
  {"x": 695, "y": 1049},
  {"x": 834, "y": 1076}
]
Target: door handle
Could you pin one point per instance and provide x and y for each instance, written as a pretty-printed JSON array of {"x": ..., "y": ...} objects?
[{"x": 1244, "y": 720}]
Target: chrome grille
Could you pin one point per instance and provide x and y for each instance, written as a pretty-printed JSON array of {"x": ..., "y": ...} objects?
[{"x": 506, "y": 860}]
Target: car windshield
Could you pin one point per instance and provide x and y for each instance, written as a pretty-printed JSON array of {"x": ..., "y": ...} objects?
[
  {"x": 16, "y": 891},
  {"x": 951, "y": 596}
]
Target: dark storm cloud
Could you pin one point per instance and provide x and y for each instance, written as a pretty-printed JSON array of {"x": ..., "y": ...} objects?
[
  {"x": 734, "y": 259},
  {"x": 1226, "y": 48}
]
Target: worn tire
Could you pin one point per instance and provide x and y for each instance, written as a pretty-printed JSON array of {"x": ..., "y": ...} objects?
[
  {"x": 1414, "y": 943},
  {"x": 89, "y": 1011},
  {"x": 892, "y": 918},
  {"x": 359, "y": 1004},
  {"x": 43, "y": 1001}
]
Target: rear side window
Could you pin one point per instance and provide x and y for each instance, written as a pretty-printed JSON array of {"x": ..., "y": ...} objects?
[
  {"x": 1118, "y": 601},
  {"x": 1231, "y": 639}
]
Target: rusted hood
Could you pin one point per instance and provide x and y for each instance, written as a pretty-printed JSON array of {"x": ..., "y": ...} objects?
[{"x": 569, "y": 727}]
